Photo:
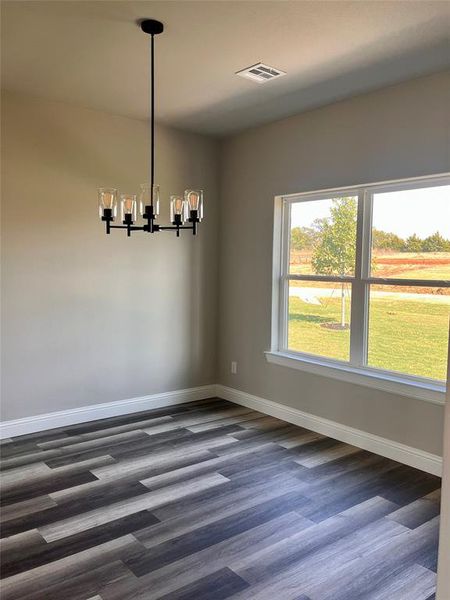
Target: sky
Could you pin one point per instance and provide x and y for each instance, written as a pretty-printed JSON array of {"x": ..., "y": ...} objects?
[{"x": 421, "y": 211}]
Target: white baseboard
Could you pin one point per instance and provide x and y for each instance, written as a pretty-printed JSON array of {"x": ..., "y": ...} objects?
[
  {"x": 431, "y": 463},
  {"x": 9, "y": 429}
]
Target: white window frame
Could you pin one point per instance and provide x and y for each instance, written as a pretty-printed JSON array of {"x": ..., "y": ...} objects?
[{"x": 356, "y": 369}]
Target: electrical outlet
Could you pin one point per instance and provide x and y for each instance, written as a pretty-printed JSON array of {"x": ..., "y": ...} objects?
[{"x": 234, "y": 367}]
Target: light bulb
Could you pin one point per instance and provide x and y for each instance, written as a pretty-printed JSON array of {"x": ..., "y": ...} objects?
[
  {"x": 178, "y": 209},
  {"x": 178, "y": 205},
  {"x": 107, "y": 200},
  {"x": 194, "y": 199},
  {"x": 128, "y": 205},
  {"x": 148, "y": 199}
]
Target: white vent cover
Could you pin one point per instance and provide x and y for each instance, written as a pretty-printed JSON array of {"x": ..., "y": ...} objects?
[{"x": 260, "y": 73}]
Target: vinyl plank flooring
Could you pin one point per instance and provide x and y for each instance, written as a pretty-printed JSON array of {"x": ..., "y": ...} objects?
[
  {"x": 302, "y": 544},
  {"x": 401, "y": 550},
  {"x": 230, "y": 497},
  {"x": 72, "y": 507},
  {"x": 219, "y": 507},
  {"x": 313, "y": 571},
  {"x": 187, "y": 570},
  {"x": 227, "y": 466},
  {"x": 20, "y": 585},
  {"x": 152, "y": 464},
  {"x": 20, "y": 542},
  {"x": 83, "y": 451},
  {"x": 416, "y": 513},
  {"x": 19, "y": 443},
  {"x": 24, "y": 560},
  {"x": 211, "y": 534},
  {"x": 39, "y": 479},
  {"x": 23, "y": 473},
  {"x": 81, "y": 586},
  {"x": 219, "y": 585},
  {"x": 412, "y": 583},
  {"x": 149, "y": 501},
  {"x": 429, "y": 559},
  {"x": 134, "y": 472},
  {"x": 195, "y": 419},
  {"x": 101, "y": 433},
  {"x": 26, "y": 507},
  {"x": 17, "y": 449},
  {"x": 305, "y": 437},
  {"x": 208, "y": 500},
  {"x": 178, "y": 439},
  {"x": 36, "y": 488},
  {"x": 219, "y": 423},
  {"x": 322, "y": 457},
  {"x": 157, "y": 412},
  {"x": 171, "y": 454}
]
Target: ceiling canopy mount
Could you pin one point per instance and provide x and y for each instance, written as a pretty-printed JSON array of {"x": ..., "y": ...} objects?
[{"x": 151, "y": 26}]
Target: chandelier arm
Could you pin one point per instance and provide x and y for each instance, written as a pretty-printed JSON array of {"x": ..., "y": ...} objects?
[
  {"x": 175, "y": 228},
  {"x": 131, "y": 227}
]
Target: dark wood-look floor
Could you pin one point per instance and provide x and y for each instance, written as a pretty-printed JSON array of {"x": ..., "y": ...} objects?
[{"x": 207, "y": 501}]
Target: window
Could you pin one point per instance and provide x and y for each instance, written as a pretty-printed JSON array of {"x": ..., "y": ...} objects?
[{"x": 364, "y": 279}]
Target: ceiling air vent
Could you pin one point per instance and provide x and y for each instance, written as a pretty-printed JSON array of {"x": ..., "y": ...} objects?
[{"x": 260, "y": 73}]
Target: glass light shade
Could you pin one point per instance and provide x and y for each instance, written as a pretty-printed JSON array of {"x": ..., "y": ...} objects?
[
  {"x": 194, "y": 200},
  {"x": 128, "y": 206},
  {"x": 107, "y": 199},
  {"x": 178, "y": 206},
  {"x": 146, "y": 198}
]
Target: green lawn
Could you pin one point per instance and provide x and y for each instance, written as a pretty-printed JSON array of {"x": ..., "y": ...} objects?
[{"x": 405, "y": 335}]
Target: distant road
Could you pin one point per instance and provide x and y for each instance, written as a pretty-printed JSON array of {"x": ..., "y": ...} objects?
[{"x": 312, "y": 295}]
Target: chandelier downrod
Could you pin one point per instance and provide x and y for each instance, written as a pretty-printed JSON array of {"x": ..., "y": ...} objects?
[
  {"x": 152, "y": 96},
  {"x": 182, "y": 208},
  {"x": 152, "y": 27}
]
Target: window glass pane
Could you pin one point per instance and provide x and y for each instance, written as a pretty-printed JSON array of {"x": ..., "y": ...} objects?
[
  {"x": 408, "y": 329},
  {"x": 411, "y": 234},
  {"x": 323, "y": 236},
  {"x": 319, "y": 318}
]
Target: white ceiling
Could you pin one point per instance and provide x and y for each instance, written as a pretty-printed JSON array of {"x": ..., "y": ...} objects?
[{"x": 92, "y": 53}]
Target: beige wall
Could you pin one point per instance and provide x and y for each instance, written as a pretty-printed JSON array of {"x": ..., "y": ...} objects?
[
  {"x": 443, "y": 582},
  {"x": 89, "y": 318},
  {"x": 401, "y": 131}
]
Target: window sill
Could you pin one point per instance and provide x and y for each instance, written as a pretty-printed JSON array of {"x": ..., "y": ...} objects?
[{"x": 388, "y": 382}]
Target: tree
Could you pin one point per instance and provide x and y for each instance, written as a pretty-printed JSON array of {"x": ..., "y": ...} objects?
[
  {"x": 435, "y": 243},
  {"x": 413, "y": 244},
  {"x": 302, "y": 238},
  {"x": 299, "y": 240},
  {"x": 334, "y": 253},
  {"x": 383, "y": 240}
]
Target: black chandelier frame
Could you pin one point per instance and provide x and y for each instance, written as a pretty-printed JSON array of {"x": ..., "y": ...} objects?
[{"x": 152, "y": 28}]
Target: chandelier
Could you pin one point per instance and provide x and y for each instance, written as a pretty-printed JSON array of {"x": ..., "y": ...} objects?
[{"x": 183, "y": 208}]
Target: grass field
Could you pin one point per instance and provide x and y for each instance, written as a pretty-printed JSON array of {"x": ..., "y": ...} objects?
[
  {"x": 409, "y": 336},
  {"x": 406, "y": 333}
]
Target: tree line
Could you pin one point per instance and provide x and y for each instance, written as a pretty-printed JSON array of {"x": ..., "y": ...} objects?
[
  {"x": 307, "y": 238},
  {"x": 383, "y": 240}
]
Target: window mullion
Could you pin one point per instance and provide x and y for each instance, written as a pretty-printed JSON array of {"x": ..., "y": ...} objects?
[
  {"x": 359, "y": 311},
  {"x": 284, "y": 278}
]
